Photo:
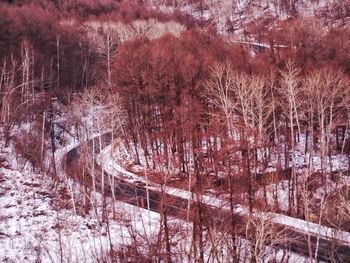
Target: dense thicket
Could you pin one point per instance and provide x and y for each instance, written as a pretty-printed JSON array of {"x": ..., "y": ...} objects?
[
  {"x": 161, "y": 83},
  {"x": 193, "y": 100},
  {"x": 195, "y": 105}
]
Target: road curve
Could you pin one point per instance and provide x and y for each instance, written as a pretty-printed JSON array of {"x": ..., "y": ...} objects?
[{"x": 176, "y": 206}]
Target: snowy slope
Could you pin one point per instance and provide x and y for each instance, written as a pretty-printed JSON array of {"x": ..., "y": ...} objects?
[
  {"x": 112, "y": 166},
  {"x": 38, "y": 223}
]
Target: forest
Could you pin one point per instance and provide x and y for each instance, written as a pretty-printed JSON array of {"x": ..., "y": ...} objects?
[{"x": 256, "y": 116}]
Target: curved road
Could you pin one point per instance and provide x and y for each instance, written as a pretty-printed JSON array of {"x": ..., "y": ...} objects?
[{"x": 136, "y": 195}]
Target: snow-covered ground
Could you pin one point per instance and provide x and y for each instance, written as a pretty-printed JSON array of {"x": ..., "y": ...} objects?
[
  {"x": 43, "y": 219},
  {"x": 38, "y": 222},
  {"x": 241, "y": 13},
  {"x": 111, "y": 163}
]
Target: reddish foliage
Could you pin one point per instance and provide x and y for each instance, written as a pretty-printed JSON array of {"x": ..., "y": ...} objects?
[{"x": 161, "y": 83}]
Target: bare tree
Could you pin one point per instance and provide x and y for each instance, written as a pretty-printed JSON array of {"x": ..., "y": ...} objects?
[
  {"x": 324, "y": 90},
  {"x": 106, "y": 39},
  {"x": 263, "y": 237},
  {"x": 219, "y": 93},
  {"x": 27, "y": 91},
  {"x": 8, "y": 87},
  {"x": 290, "y": 103}
]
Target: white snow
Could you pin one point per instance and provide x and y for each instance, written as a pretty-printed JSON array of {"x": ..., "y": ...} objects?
[
  {"x": 301, "y": 225},
  {"x": 38, "y": 224}
]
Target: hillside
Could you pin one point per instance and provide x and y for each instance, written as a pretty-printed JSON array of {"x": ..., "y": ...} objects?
[{"x": 174, "y": 131}]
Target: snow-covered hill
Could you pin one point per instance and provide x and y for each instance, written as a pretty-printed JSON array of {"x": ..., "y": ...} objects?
[
  {"x": 38, "y": 222},
  {"x": 233, "y": 17}
]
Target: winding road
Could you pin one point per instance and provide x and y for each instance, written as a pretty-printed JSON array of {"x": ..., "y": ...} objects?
[{"x": 136, "y": 194}]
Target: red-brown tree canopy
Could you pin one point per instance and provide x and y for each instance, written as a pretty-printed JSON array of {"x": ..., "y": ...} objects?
[{"x": 161, "y": 83}]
